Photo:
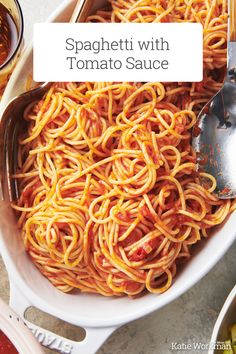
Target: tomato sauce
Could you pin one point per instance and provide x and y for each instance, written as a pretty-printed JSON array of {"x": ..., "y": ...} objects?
[
  {"x": 144, "y": 251},
  {"x": 196, "y": 131},
  {"x": 8, "y": 34},
  {"x": 6, "y": 346}
]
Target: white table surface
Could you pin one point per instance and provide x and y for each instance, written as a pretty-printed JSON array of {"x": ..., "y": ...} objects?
[{"x": 188, "y": 319}]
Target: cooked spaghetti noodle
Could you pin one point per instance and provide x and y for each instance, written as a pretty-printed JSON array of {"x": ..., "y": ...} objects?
[{"x": 111, "y": 200}]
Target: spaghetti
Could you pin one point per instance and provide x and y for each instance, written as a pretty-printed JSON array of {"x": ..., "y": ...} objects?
[{"x": 111, "y": 200}]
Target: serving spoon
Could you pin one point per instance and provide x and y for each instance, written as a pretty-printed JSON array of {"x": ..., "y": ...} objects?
[
  {"x": 12, "y": 120},
  {"x": 215, "y": 141}
]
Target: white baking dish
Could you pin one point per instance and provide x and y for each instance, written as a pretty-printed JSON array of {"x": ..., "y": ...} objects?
[
  {"x": 226, "y": 318},
  {"x": 99, "y": 316},
  {"x": 18, "y": 333}
]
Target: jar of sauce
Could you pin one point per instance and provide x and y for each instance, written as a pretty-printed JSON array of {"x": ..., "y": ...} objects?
[{"x": 11, "y": 34}]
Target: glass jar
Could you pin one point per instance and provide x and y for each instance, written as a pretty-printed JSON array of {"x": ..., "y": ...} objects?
[{"x": 11, "y": 38}]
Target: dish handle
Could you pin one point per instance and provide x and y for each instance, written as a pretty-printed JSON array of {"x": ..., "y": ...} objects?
[{"x": 95, "y": 337}]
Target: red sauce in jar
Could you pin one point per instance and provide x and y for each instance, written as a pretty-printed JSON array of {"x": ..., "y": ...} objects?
[
  {"x": 8, "y": 34},
  {"x": 6, "y": 346}
]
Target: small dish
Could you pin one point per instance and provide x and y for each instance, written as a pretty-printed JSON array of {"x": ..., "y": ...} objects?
[{"x": 226, "y": 318}]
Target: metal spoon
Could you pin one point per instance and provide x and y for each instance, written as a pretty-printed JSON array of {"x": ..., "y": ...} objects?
[
  {"x": 12, "y": 121},
  {"x": 216, "y": 141}
]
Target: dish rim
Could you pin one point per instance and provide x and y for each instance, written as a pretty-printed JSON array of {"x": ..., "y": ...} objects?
[{"x": 223, "y": 312}]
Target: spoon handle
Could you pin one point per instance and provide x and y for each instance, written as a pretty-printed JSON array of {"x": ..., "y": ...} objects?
[
  {"x": 81, "y": 11},
  {"x": 77, "y": 11},
  {"x": 232, "y": 19}
]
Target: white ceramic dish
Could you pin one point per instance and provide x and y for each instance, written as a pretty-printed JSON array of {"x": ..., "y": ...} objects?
[
  {"x": 226, "y": 318},
  {"x": 99, "y": 316},
  {"x": 18, "y": 333}
]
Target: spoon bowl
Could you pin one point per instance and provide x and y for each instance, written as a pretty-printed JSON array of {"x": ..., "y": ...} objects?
[
  {"x": 215, "y": 140},
  {"x": 214, "y": 137}
]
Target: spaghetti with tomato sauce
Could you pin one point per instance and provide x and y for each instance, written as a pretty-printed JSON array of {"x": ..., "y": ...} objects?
[{"x": 111, "y": 199}]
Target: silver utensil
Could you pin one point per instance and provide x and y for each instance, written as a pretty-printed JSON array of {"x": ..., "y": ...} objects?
[
  {"x": 216, "y": 139},
  {"x": 12, "y": 122}
]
